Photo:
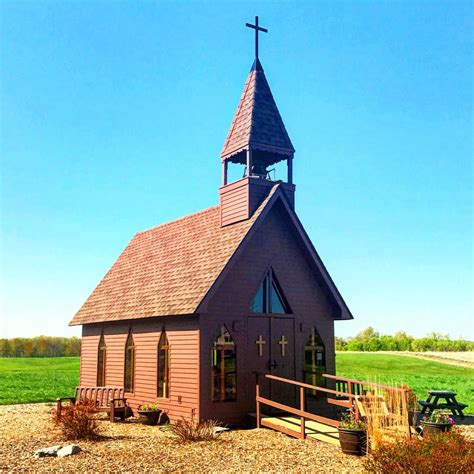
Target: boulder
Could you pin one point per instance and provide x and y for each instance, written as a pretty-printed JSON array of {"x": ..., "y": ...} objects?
[
  {"x": 68, "y": 450},
  {"x": 51, "y": 451}
]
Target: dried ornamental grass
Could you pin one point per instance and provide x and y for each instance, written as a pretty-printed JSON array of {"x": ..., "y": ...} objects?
[
  {"x": 445, "y": 453},
  {"x": 77, "y": 421},
  {"x": 189, "y": 430},
  {"x": 386, "y": 413}
]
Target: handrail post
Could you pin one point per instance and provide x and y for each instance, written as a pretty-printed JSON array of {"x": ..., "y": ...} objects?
[
  {"x": 257, "y": 396},
  {"x": 406, "y": 408},
  {"x": 302, "y": 407},
  {"x": 353, "y": 400}
]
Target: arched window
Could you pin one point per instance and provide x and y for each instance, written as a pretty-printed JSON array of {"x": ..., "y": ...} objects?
[
  {"x": 101, "y": 361},
  {"x": 314, "y": 359},
  {"x": 269, "y": 297},
  {"x": 129, "y": 364},
  {"x": 163, "y": 389},
  {"x": 224, "y": 367}
]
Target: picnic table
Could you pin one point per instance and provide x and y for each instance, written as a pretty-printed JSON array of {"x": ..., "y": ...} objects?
[{"x": 450, "y": 403}]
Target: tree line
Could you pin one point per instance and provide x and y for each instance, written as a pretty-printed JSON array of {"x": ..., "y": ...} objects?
[
  {"x": 370, "y": 340},
  {"x": 367, "y": 340},
  {"x": 41, "y": 346}
]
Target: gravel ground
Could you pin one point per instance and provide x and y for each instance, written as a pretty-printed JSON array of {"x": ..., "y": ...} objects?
[{"x": 133, "y": 447}]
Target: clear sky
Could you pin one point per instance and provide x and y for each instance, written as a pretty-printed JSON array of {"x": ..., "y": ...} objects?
[{"x": 113, "y": 115}]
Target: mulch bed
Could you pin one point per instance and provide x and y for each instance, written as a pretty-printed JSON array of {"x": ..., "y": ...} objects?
[{"x": 133, "y": 447}]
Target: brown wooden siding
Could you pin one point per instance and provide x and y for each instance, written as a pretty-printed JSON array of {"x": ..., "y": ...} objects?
[
  {"x": 183, "y": 337},
  {"x": 240, "y": 199},
  {"x": 275, "y": 245},
  {"x": 89, "y": 353},
  {"x": 234, "y": 202}
]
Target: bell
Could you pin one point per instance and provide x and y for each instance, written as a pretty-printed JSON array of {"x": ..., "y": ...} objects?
[{"x": 259, "y": 169}]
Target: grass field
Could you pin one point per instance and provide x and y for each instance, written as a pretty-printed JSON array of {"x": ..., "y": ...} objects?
[
  {"x": 420, "y": 374},
  {"x": 26, "y": 380}
]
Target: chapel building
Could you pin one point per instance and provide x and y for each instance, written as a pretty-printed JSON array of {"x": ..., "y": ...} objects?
[{"x": 193, "y": 309}]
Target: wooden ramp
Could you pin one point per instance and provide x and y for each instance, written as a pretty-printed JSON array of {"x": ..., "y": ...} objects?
[{"x": 291, "y": 425}]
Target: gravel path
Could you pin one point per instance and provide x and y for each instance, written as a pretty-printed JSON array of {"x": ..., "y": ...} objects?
[{"x": 133, "y": 447}]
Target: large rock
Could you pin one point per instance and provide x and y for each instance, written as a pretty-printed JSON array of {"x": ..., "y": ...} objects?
[
  {"x": 68, "y": 450},
  {"x": 51, "y": 451}
]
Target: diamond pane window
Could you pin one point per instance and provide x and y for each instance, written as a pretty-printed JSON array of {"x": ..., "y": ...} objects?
[
  {"x": 315, "y": 360},
  {"x": 129, "y": 364},
  {"x": 101, "y": 356},
  {"x": 224, "y": 367},
  {"x": 163, "y": 388}
]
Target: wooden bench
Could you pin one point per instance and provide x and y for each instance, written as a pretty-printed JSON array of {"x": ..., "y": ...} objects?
[{"x": 107, "y": 399}]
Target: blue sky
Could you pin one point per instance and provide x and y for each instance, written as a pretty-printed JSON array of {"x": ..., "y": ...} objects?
[{"x": 113, "y": 115}]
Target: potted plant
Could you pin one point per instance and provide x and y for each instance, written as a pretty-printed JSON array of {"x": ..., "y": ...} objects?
[
  {"x": 149, "y": 413},
  {"x": 352, "y": 434},
  {"x": 437, "y": 422}
]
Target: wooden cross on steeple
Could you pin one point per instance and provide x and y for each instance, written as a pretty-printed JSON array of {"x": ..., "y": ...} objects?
[{"x": 257, "y": 29}]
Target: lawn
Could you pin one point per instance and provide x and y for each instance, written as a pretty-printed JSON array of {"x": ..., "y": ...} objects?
[
  {"x": 421, "y": 375},
  {"x": 26, "y": 380}
]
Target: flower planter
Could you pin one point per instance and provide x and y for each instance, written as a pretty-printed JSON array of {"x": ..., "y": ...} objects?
[
  {"x": 353, "y": 442},
  {"x": 149, "y": 417},
  {"x": 430, "y": 427}
]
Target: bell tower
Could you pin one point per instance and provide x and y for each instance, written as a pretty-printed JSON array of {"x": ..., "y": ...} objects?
[{"x": 257, "y": 140}]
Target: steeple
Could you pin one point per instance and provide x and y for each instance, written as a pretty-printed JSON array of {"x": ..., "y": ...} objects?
[
  {"x": 257, "y": 124},
  {"x": 257, "y": 139}
]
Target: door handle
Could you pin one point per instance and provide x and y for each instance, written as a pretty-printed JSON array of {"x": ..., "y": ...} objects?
[{"x": 272, "y": 365}]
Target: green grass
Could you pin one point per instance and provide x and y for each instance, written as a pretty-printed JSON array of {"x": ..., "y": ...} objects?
[
  {"x": 421, "y": 375},
  {"x": 26, "y": 380}
]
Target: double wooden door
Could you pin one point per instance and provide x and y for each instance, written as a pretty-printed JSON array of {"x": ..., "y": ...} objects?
[{"x": 271, "y": 350}]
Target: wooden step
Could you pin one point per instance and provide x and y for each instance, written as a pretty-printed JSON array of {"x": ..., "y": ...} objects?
[{"x": 313, "y": 429}]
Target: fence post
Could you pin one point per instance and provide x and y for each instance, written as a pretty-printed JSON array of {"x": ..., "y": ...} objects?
[
  {"x": 302, "y": 407},
  {"x": 257, "y": 396}
]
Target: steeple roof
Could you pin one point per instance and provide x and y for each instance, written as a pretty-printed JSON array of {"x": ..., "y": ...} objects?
[{"x": 257, "y": 123}]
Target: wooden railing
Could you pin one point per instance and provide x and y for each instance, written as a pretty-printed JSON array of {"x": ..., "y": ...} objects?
[
  {"x": 301, "y": 412},
  {"x": 346, "y": 393},
  {"x": 358, "y": 387}
]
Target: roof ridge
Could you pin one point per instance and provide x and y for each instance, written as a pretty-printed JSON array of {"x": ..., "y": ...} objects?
[{"x": 174, "y": 221}]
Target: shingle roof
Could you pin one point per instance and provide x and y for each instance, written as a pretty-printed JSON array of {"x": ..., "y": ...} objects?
[
  {"x": 257, "y": 123},
  {"x": 166, "y": 270}
]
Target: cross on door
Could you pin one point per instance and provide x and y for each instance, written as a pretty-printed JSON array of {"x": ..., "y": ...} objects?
[
  {"x": 260, "y": 343},
  {"x": 283, "y": 342}
]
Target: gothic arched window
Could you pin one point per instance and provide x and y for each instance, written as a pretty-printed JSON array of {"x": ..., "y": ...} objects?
[
  {"x": 101, "y": 362},
  {"x": 224, "y": 367},
  {"x": 129, "y": 364},
  {"x": 163, "y": 389},
  {"x": 314, "y": 359},
  {"x": 269, "y": 297}
]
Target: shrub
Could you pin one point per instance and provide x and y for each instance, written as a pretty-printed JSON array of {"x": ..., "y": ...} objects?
[
  {"x": 443, "y": 453},
  {"x": 189, "y": 430},
  {"x": 77, "y": 421}
]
